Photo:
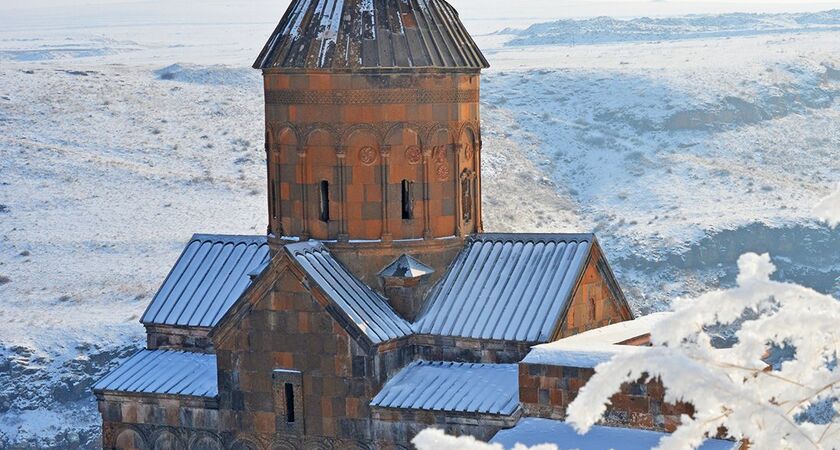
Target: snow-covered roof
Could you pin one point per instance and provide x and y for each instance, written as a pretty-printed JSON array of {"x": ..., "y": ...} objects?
[
  {"x": 164, "y": 372},
  {"x": 581, "y": 356},
  {"x": 617, "y": 333},
  {"x": 588, "y": 349},
  {"x": 507, "y": 287},
  {"x": 453, "y": 387},
  {"x": 370, "y": 34},
  {"x": 532, "y": 432},
  {"x": 369, "y": 311},
  {"x": 211, "y": 274}
]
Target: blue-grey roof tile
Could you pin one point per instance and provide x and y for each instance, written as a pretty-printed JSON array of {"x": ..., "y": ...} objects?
[
  {"x": 506, "y": 287},
  {"x": 368, "y": 310},
  {"x": 211, "y": 274},
  {"x": 164, "y": 372},
  {"x": 453, "y": 387}
]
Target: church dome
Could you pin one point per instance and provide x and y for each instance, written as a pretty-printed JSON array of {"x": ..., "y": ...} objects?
[{"x": 336, "y": 35}]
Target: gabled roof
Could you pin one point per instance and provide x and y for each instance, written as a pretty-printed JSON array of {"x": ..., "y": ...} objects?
[
  {"x": 211, "y": 274},
  {"x": 370, "y": 34},
  {"x": 507, "y": 287},
  {"x": 533, "y": 431},
  {"x": 593, "y": 347},
  {"x": 406, "y": 267},
  {"x": 365, "y": 308},
  {"x": 164, "y": 372},
  {"x": 453, "y": 387}
]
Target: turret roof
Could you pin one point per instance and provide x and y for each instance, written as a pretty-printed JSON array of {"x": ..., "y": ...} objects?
[{"x": 370, "y": 34}]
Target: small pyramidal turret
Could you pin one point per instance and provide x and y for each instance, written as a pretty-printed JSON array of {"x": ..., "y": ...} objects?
[{"x": 404, "y": 280}]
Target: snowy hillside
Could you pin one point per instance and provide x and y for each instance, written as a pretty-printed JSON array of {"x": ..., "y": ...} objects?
[
  {"x": 683, "y": 142},
  {"x": 601, "y": 30}
]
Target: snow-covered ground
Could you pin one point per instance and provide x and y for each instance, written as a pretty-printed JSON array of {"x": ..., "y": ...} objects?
[{"x": 123, "y": 131}]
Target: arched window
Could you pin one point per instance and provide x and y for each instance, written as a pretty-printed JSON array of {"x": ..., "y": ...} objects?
[
  {"x": 592, "y": 310},
  {"x": 407, "y": 200},
  {"x": 325, "y": 201}
]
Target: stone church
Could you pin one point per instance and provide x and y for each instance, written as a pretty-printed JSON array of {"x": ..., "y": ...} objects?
[{"x": 376, "y": 305}]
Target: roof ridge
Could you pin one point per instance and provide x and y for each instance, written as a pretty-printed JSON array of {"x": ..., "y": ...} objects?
[
  {"x": 229, "y": 237},
  {"x": 306, "y": 247},
  {"x": 533, "y": 237}
]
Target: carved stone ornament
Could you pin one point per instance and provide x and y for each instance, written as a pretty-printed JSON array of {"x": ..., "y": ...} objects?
[
  {"x": 414, "y": 155},
  {"x": 442, "y": 172},
  {"x": 441, "y": 166},
  {"x": 367, "y": 155},
  {"x": 370, "y": 97},
  {"x": 468, "y": 152},
  {"x": 440, "y": 154}
]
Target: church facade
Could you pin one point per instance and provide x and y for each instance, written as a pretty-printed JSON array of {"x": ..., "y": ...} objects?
[{"x": 376, "y": 305}]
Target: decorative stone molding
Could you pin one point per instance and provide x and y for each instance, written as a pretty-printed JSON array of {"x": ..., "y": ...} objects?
[
  {"x": 312, "y": 128},
  {"x": 341, "y": 132},
  {"x": 370, "y": 97}
]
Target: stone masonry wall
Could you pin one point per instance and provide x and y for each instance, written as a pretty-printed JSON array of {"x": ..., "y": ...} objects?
[
  {"x": 290, "y": 329},
  {"x": 447, "y": 348},
  {"x": 151, "y": 422},
  {"x": 595, "y": 303},
  {"x": 546, "y": 391},
  {"x": 364, "y": 133},
  {"x": 178, "y": 338}
]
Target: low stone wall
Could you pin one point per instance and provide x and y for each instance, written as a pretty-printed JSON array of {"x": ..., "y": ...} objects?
[
  {"x": 178, "y": 338},
  {"x": 447, "y": 348},
  {"x": 546, "y": 391},
  {"x": 397, "y": 427},
  {"x": 149, "y": 422}
]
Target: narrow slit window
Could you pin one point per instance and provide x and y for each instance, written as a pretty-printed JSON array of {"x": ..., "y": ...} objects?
[
  {"x": 407, "y": 200},
  {"x": 325, "y": 201},
  {"x": 272, "y": 200},
  {"x": 277, "y": 192},
  {"x": 290, "y": 403}
]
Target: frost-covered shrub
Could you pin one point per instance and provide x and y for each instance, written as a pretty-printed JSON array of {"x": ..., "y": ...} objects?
[{"x": 734, "y": 387}]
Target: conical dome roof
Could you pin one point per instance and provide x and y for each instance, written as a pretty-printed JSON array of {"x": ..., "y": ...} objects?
[{"x": 370, "y": 34}]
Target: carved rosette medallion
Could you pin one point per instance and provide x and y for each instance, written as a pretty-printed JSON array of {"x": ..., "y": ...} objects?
[
  {"x": 442, "y": 172},
  {"x": 413, "y": 155},
  {"x": 367, "y": 156}
]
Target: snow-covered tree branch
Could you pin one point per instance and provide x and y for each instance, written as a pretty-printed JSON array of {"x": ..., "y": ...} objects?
[{"x": 734, "y": 387}]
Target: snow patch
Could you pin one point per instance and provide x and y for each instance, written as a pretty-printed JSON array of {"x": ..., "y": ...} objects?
[
  {"x": 213, "y": 75},
  {"x": 828, "y": 208}
]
